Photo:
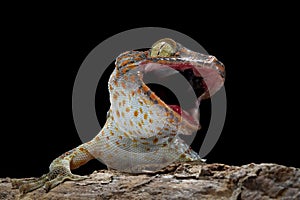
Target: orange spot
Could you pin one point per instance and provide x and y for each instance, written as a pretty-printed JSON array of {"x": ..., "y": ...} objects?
[
  {"x": 116, "y": 83},
  {"x": 145, "y": 101},
  {"x": 131, "y": 66},
  {"x": 129, "y": 132},
  {"x": 118, "y": 143},
  {"x": 115, "y": 96},
  {"x": 166, "y": 129},
  {"x": 97, "y": 138},
  {"x": 132, "y": 93},
  {"x": 124, "y": 145},
  {"x": 151, "y": 121},
  {"x": 125, "y": 134},
  {"x": 134, "y": 140},
  {"x": 118, "y": 113},
  {"x": 107, "y": 137},
  {"x": 117, "y": 74},
  {"x": 125, "y": 78},
  {"x": 143, "y": 138},
  {"x": 120, "y": 136},
  {"x": 110, "y": 87},
  {"x": 124, "y": 70},
  {"x": 141, "y": 110},
  {"x": 125, "y": 62},
  {"x": 127, "y": 109},
  {"x": 123, "y": 85},
  {"x": 153, "y": 96},
  {"x": 102, "y": 133},
  {"x": 141, "y": 103},
  {"x": 132, "y": 78},
  {"x": 136, "y": 113},
  {"x": 164, "y": 145},
  {"x": 159, "y": 133},
  {"x": 123, "y": 93},
  {"x": 145, "y": 116},
  {"x": 140, "y": 125},
  {"x": 138, "y": 58},
  {"x": 155, "y": 140},
  {"x": 161, "y": 103},
  {"x": 81, "y": 149},
  {"x": 111, "y": 133},
  {"x": 145, "y": 88},
  {"x": 170, "y": 120},
  {"x": 145, "y": 143},
  {"x": 150, "y": 111},
  {"x": 139, "y": 91}
]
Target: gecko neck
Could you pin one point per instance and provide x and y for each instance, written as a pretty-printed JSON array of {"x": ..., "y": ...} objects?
[{"x": 133, "y": 111}]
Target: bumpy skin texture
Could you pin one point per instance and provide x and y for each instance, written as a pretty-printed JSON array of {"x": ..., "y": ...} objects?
[{"x": 141, "y": 132}]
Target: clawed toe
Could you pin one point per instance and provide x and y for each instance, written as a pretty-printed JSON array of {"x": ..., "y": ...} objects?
[
  {"x": 29, "y": 185},
  {"x": 61, "y": 178},
  {"x": 47, "y": 181}
]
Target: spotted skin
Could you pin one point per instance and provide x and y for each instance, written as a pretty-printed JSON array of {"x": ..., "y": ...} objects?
[{"x": 141, "y": 131}]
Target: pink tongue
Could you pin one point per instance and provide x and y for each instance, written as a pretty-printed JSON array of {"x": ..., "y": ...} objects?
[{"x": 176, "y": 108}]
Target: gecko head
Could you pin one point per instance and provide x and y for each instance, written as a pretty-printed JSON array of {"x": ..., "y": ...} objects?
[{"x": 204, "y": 73}]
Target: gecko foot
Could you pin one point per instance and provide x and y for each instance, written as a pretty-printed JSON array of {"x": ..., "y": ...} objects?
[{"x": 55, "y": 177}]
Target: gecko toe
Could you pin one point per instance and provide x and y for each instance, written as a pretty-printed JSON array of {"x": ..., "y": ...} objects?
[
  {"x": 47, "y": 181},
  {"x": 61, "y": 178}
]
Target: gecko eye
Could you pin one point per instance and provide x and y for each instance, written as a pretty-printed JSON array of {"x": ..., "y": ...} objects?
[{"x": 163, "y": 48}]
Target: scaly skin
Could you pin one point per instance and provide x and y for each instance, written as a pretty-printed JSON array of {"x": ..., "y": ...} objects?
[{"x": 141, "y": 131}]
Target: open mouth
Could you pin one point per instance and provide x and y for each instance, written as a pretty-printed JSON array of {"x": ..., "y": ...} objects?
[{"x": 199, "y": 83}]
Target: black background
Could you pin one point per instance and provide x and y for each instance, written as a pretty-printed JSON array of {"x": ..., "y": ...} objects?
[{"x": 43, "y": 51}]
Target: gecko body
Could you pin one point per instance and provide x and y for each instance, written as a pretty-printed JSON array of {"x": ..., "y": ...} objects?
[{"x": 142, "y": 131}]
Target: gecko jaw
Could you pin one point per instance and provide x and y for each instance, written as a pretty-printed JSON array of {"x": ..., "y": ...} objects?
[{"x": 197, "y": 81}]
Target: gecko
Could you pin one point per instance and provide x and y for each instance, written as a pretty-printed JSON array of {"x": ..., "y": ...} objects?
[{"x": 142, "y": 131}]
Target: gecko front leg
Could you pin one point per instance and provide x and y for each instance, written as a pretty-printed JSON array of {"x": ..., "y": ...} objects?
[{"x": 59, "y": 171}]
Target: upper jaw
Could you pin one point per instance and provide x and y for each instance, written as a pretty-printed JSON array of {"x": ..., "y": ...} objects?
[{"x": 205, "y": 66}]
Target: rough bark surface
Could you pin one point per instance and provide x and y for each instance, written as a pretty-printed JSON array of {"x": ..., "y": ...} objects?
[{"x": 178, "y": 181}]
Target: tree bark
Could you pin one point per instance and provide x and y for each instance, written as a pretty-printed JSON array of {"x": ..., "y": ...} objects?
[{"x": 178, "y": 181}]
